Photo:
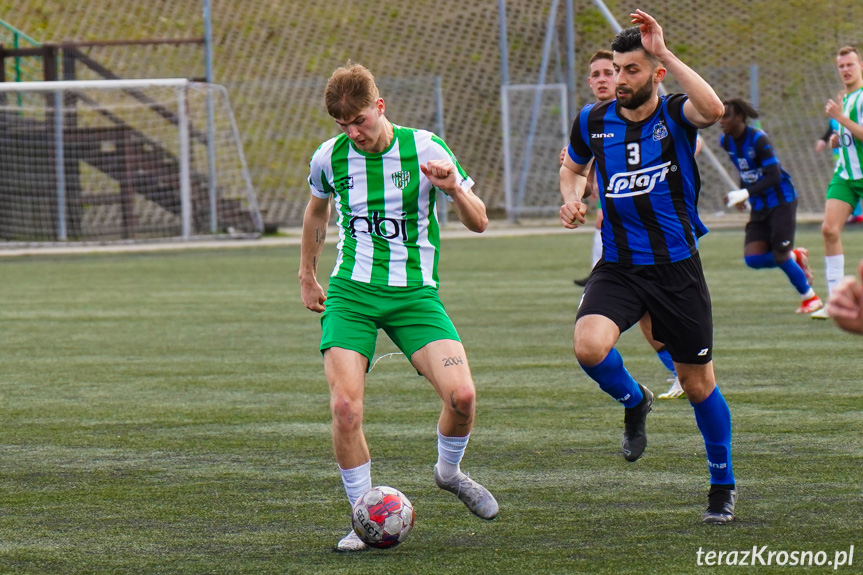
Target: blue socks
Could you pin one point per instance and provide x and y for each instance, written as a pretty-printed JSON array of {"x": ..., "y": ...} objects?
[
  {"x": 666, "y": 360},
  {"x": 760, "y": 261},
  {"x": 791, "y": 268},
  {"x": 795, "y": 275},
  {"x": 714, "y": 422},
  {"x": 614, "y": 380}
]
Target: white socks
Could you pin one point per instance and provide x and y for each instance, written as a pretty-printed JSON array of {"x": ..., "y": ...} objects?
[
  {"x": 357, "y": 481},
  {"x": 835, "y": 271},
  {"x": 450, "y": 450},
  {"x": 597, "y": 247}
]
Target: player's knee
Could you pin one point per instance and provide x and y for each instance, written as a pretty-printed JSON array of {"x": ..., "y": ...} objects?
[
  {"x": 759, "y": 261},
  {"x": 697, "y": 388},
  {"x": 753, "y": 262},
  {"x": 590, "y": 353},
  {"x": 830, "y": 231},
  {"x": 347, "y": 413},
  {"x": 461, "y": 399}
]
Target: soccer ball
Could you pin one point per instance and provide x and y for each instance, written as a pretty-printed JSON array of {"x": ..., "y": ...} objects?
[{"x": 383, "y": 517}]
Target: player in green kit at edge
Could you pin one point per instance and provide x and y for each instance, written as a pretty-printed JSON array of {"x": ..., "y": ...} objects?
[
  {"x": 383, "y": 178},
  {"x": 846, "y": 187}
]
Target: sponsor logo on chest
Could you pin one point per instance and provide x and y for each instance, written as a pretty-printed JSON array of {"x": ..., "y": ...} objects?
[
  {"x": 383, "y": 227},
  {"x": 635, "y": 183}
]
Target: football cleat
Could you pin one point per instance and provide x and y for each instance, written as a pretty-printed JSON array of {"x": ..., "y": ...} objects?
[
  {"x": 801, "y": 255},
  {"x": 634, "y": 433},
  {"x": 820, "y": 314},
  {"x": 720, "y": 505},
  {"x": 810, "y": 305},
  {"x": 674, "y": 392},
  {"x": 351, "y": 542},
  {"x": 476, "y": 497}
]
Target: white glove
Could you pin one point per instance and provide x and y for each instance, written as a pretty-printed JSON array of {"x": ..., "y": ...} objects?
[{"x": 734, "y": 197}]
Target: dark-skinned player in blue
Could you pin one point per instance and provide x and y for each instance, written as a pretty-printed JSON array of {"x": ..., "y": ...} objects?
[{"x": 769, "y": 241}]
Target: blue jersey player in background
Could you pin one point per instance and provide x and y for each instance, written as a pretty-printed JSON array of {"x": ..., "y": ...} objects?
[
  {"x": 770, "y": 231},
  {"x": 643, "y": 147}
]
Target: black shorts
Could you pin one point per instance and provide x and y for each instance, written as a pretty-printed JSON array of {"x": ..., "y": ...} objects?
[
  {"x": 774, "y": 226},
  {"x": 675, "y": 294}
]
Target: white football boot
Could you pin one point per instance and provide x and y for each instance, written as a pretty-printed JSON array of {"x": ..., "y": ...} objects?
[
  {"x": 820, "y": 314},
  {"x": 674, "y": 392},
  {"x": 351, "y": 542},
  {"x": 476, "y": 497}
]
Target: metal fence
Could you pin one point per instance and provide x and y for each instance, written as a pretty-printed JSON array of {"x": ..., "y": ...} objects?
[{"x": 274, "y": 57}]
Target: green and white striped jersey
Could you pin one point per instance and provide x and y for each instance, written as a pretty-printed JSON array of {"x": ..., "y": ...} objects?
[
  {"x": 849, "y": 164},
  {"x": 388, "y": 229}
]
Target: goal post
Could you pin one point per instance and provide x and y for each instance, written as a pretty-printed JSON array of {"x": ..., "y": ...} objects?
[
  {"x": 122, "y": 160},
  {"x": 535, "y": 128}
]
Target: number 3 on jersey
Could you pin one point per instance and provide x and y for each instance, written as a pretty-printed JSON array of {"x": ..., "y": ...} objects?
[{"x": 633, "y": 157}]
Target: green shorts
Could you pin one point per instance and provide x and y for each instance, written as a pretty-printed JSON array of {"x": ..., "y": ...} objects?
[
  {"x": 849, "y": 191},
  {"x": 411, "y": 316}
]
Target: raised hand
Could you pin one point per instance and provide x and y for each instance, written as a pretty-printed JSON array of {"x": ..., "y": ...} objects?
[
  {"x": 833, "y": 109},
  {"x": 652, "y": 37}
]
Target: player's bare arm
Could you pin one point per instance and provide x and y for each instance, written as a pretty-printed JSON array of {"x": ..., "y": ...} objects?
[
  {"x": 834, "y": 110},
  {"x": 315, "y": 220},
  {"x": 573, "y": 181},
  {"x": 704, "y": 107},
  {"x": 469, "y": 209}
]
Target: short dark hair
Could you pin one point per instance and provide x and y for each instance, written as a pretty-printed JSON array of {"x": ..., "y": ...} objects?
[
  {"x": 741, "y": 108},
  {"x": 601, "y": 55},
  {"x": 629, "y": 40}
]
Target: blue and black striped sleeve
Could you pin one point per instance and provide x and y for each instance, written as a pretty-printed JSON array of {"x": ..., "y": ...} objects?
[{"x": 579, "y": 150}]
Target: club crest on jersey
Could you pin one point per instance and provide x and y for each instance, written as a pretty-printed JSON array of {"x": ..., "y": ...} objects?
[
  {"x": 659, "y": 132},
  {"x": 345, "y": 183},
  {"x": 638, "y": 182},
  {"x": 401, "y": 179}
]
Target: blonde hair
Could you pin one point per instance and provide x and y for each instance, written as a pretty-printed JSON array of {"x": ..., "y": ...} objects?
[{"x": 350, "y": 90}]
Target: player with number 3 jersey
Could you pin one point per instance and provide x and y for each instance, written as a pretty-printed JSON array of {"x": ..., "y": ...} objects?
[{"x": 644, "y": 146}]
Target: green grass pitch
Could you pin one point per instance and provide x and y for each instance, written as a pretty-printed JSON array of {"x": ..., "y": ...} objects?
[{"x": 167, "y": 413}]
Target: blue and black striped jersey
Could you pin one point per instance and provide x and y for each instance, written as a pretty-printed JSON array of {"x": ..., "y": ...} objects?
[
  {"x": 752, "y": 154},
  {"x": 648, "y": 180}
]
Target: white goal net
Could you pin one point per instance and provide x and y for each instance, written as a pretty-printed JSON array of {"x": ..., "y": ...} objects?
[{"x": 121, "y": 160}]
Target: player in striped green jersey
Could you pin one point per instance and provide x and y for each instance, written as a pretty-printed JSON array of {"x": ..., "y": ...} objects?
[
  {"x": 383, "y": 178},
  {"x": 846, "y": 187}
]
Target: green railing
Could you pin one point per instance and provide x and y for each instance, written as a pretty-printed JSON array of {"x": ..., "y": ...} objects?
[{"x": 22, "y": 69}]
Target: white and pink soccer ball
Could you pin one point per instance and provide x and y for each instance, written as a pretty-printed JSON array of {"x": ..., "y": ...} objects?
[{"x": 383, "y": 517}]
